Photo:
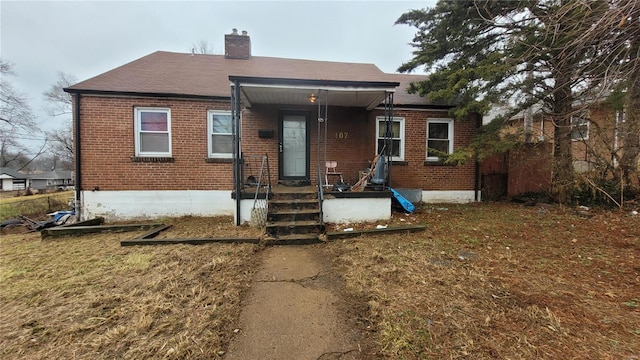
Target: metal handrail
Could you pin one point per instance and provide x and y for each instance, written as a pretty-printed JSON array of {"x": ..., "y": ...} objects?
[
  {"x": 320, "y": 195},
  {"x": 260, "y": 213}
]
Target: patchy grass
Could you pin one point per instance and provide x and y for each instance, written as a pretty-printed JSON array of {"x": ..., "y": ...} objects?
[
  {"x": 32, "y": 205},
  {"x": 87, "y": 297},
  {"x": 484, "y": 281},
  {"x": 498, "y": 281}
]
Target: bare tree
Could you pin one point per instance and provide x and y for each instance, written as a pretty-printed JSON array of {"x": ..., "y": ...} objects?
[
  {"x": 201, "y": 47},
  {"x": 60, "y": 101},
  {"x": 16, "y": 122},
  {"x": 15, "y": 112},
  {"x": 613, "y": 71},
  {"x": 61, "y": 104}
]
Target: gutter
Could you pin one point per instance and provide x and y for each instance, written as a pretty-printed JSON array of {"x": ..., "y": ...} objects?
[
  {"x": 145, "y": 94},
  {"x": 254, "y": 80}
]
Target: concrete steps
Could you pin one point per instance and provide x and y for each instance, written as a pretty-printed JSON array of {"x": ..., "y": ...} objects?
[{"x": 294, "y": 217}]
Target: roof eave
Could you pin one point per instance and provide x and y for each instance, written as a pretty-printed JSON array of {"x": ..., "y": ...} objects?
[
  {"x": 144, "y": 94},
  {"x": 255, "y": 80}
]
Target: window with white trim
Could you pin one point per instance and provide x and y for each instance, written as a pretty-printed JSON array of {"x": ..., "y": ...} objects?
[
  {"x": 439, "y": 138},
  {"x": 220, "y": 143},
  {"x": 396, "y": 135},
  {"x": 153, "y": 132},
  {"x": 580, "y": 127}
]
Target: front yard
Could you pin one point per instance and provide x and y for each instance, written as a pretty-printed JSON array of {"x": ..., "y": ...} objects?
[{"x": 484, "y": 281}]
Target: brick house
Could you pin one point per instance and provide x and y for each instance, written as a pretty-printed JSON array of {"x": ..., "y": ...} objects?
[
  {"x": 597, "y": 131},
  {"x": 174, "y": 134},
  {"x": 597, "y": 134}
]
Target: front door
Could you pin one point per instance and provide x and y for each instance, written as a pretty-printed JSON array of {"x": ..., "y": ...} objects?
[{"x": 294, "y": 147}]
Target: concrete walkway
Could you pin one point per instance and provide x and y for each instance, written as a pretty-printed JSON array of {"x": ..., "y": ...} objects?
[{"x": 290, "y": 311}]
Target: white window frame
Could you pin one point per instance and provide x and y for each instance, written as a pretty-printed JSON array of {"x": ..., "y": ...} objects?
[
  {"x": 449, "y": 123},
  {"x": 399, "y": 119},
  {"x": 586, "y": 121},
  {"x": 138, "y": 130},
  {"x": 210, "y": 152}
]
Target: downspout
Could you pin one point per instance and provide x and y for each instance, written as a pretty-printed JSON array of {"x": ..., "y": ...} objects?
[
  {"x": 78, "y": 202},
  {"x": 237, "y": 166},
  {"x": 476, "y": 182},
  {"x": 389, "y": 159}
]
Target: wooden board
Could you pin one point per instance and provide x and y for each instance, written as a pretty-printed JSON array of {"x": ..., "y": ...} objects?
[
  {"x": 347, "y": 234},
  {"x": 192, "y": 241},
  {"x": 81, "y": 230}
]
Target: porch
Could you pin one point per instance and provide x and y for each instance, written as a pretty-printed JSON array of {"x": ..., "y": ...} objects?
[
  {"x": 293, "y": 204},
  {"x": 286, "y": 131}
]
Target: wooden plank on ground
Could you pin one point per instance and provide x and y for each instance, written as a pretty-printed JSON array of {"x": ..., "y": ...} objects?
[
  {"x": 348, "y": 234},
  {"x": 91, "y": 222},
  {"x": 192, "y": 241},
  {"x": 81, "y": 230},
  {"x": 154, "y": 232}
]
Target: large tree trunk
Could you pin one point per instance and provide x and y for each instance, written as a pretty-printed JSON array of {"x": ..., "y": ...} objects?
[
  {"x": 562, "y": 178},
  {"x": 631, "y": 136},
  {"x": 631, "y": 127}
]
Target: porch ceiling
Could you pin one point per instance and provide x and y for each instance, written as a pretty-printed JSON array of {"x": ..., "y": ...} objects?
[{"x": 297, "y": 92}]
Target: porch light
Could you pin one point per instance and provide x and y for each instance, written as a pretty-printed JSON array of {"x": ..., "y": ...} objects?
[{"x": 313, "y": 98}]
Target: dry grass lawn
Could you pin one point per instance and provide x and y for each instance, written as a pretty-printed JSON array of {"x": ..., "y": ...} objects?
[
  {"x": 499, "y": 281},
  {"x": 484, "y": 281},
  {"x": 88, "y": 298}
]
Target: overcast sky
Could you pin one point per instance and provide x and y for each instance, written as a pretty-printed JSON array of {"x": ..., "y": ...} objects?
[{"x": 87, "y": 38}]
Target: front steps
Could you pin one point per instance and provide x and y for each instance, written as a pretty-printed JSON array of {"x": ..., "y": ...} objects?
[{"x": 293, "y": 217}]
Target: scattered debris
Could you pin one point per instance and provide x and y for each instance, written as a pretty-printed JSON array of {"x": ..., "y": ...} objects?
[{"x": 466, "y": 255}]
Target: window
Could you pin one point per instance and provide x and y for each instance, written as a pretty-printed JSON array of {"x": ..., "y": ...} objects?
[
  {"x": 220, "y": 134},
  {"x": 439, "y": 138},
  {"x": 580, "y": 127},
  {"x": 396, "y": 134},
  {"x": 153, "y": 132}
]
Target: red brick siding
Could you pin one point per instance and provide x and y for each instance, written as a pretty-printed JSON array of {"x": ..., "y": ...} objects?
[
  {"x": 107, "y": 146},
  {"x": 107, "y": 141},
  {"x": 415, "y": 174}
]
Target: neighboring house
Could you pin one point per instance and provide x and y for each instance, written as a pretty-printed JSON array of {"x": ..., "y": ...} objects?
[
  {"x": 596, "y": 135},
  {"x": 56, "y": 179},
  {"x": 15, "y": 180},
  {"x": 597, "y": 132},
  {"x": 155, "y": 137},
  {"x": 12, "y": 180}
]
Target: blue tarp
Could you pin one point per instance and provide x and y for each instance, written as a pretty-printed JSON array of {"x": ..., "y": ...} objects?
[{"x": 402, "y": 201}]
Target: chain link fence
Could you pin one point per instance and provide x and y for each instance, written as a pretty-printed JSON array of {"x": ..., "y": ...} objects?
[{"x": 35, "y": 207}]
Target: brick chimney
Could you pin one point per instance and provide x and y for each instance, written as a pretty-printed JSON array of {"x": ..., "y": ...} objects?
[{"x": 237, "y": 46}]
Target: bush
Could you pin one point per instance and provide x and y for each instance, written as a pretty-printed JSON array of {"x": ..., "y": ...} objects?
[{"x": 602, "y": 192}]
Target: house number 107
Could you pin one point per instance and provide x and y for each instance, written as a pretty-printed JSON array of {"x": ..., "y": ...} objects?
[{"x": 342, "y": 135}]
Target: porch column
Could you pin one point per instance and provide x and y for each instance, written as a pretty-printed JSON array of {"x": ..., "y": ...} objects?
[{"x": 388, "y": 117}]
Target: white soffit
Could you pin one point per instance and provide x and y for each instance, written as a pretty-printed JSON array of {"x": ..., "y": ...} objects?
[{"x": 369, "y": 98}]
